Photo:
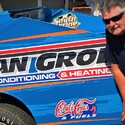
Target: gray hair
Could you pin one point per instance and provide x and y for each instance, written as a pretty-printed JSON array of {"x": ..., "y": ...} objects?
[{"x": 107, "y": 5}]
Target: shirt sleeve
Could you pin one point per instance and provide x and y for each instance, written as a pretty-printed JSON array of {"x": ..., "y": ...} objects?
[
  {"x": 109, "y": 56},
  {"x": 109, "y": 49}
]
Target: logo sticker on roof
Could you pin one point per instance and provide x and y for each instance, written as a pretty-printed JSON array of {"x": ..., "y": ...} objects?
[{"x": 67, "y": 20}]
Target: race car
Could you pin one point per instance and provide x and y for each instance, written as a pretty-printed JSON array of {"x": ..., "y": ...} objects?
[{"x": 53, "y": 71}]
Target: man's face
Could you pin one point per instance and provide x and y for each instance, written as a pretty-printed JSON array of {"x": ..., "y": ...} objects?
[{"x": 114, "y": 21}]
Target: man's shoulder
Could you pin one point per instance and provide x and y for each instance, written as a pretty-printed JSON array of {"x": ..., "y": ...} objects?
[
  {"x": 111, "y": 38},
  {"x": 109, "y": 34}
]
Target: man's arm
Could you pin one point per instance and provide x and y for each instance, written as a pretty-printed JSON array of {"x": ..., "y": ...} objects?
[{"x": 120, "y": 81}]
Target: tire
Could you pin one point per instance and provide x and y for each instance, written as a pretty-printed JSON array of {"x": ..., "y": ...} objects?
[{"x": 12, "y": 115}]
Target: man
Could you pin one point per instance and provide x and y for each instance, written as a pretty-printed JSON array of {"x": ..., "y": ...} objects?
[{"x": 113, "y": 15}]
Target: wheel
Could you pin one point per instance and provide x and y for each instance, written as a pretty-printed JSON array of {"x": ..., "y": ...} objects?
[{"x": 12, "y": 115}]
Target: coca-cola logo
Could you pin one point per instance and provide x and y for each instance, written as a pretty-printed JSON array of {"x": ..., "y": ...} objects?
[{"x": 81, "y": 108}]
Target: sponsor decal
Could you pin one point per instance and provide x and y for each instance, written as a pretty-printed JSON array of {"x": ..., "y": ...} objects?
[
  {"x": 81, "y": 109},
  {"x": 37, "y": 77},
  {"x": 67, "y": 20},
  {"x": 85, "y": 73},
  {"x": 65, "y": 62}
]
